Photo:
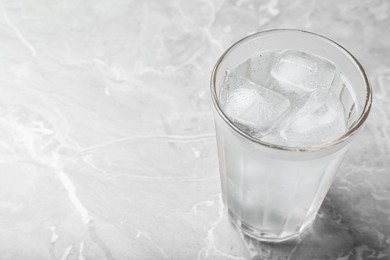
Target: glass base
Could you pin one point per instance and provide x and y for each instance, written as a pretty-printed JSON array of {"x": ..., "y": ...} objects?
[{"x": 265, "y": 236}]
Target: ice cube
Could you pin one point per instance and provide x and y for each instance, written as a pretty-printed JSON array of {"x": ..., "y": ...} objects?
[
  {"x": 257, "y": 68},
  {"x": 341, "y": 87},
  {"x": 320, "y": 120},
  {"x": 300, "y": 72},
  {"x": 251, "y": 106}
]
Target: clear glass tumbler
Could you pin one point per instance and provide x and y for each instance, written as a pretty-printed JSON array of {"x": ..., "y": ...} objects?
[{"x": 271, "y": 192}]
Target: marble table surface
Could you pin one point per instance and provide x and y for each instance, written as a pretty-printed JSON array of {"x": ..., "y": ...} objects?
[{"x": 107, "y": 140}]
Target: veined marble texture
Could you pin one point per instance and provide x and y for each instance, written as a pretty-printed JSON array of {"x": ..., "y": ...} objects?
[{"x": 107, "y": 140}]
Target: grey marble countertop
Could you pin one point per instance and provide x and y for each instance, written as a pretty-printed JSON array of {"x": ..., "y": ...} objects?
[{"x": 107, "y": 141}]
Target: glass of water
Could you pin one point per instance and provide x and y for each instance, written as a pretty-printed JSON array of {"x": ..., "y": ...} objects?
[{"x": 287, "y": 104}]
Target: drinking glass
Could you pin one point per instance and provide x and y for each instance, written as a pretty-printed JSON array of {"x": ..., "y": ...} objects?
[{"x": 273, "y": 192}]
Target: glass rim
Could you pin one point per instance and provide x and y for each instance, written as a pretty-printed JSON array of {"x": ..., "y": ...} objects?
[{"x": 355, "y": 127}]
